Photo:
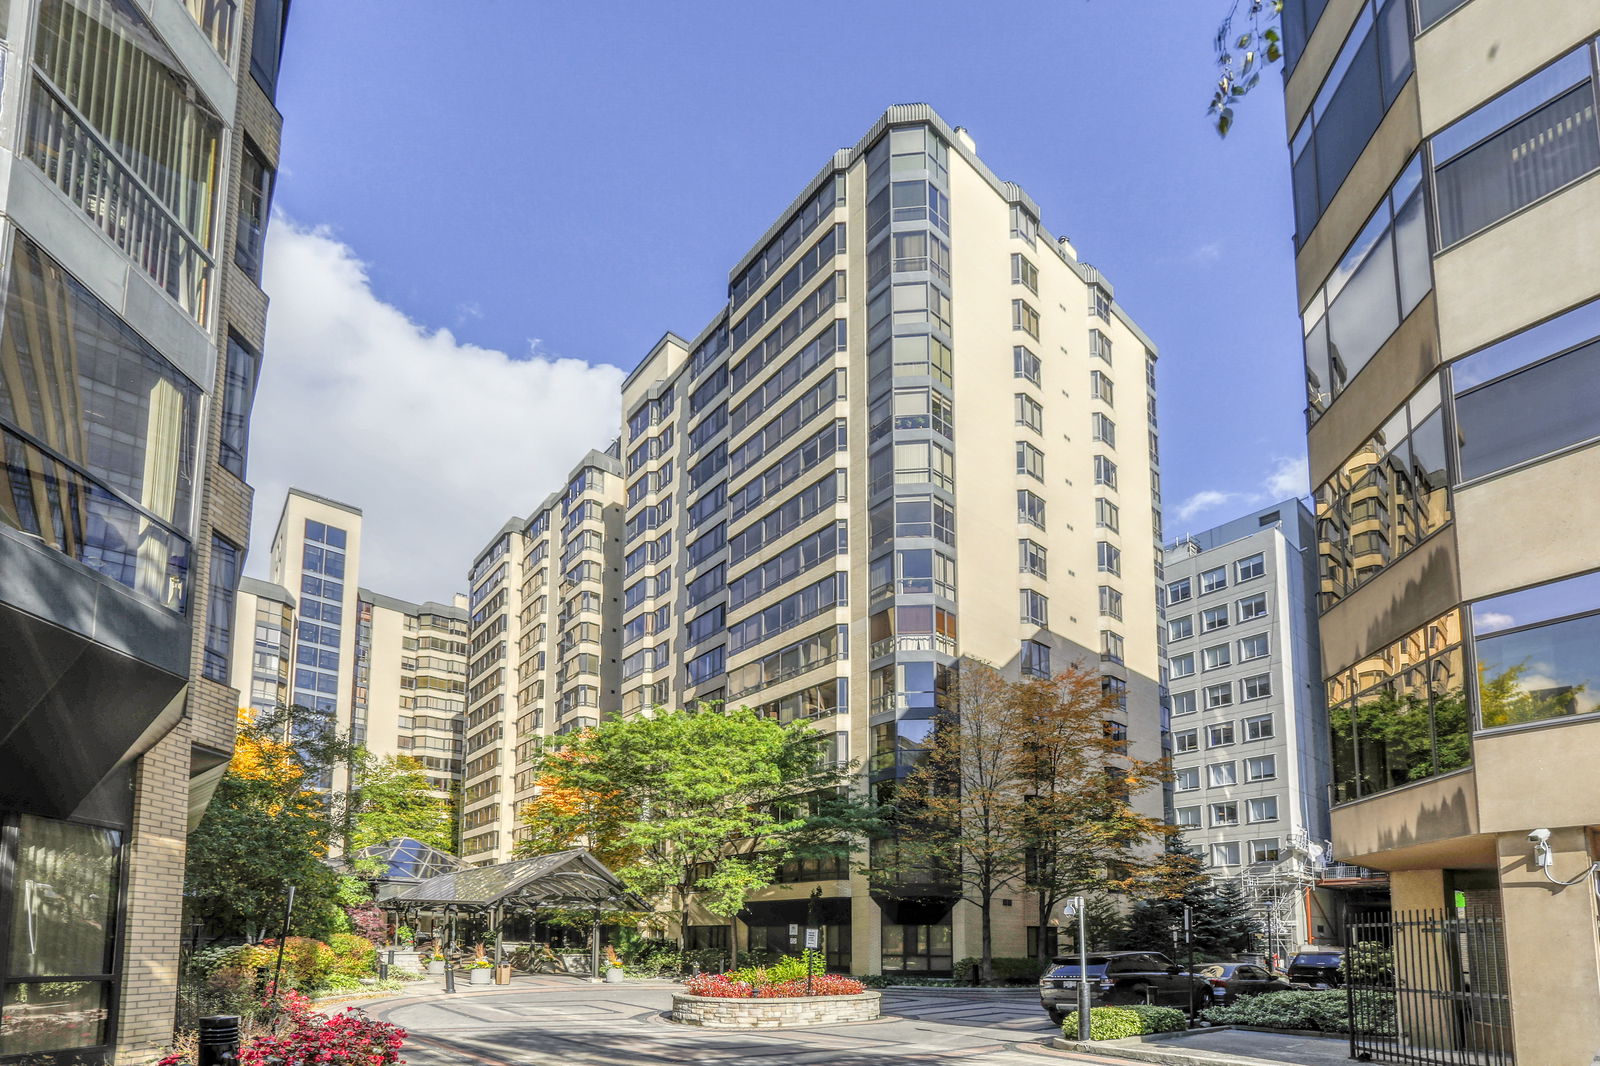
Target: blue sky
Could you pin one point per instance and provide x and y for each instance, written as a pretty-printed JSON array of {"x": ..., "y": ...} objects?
[{"x": 569, "y": 181}]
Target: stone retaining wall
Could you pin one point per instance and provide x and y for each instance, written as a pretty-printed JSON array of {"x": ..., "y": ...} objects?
[{"x": 714, "y": 1013}]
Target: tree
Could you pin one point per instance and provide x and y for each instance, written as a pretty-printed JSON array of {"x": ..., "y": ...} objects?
[
  {"x": 392, "y": 798},
  {"x": 699, "y": 805},
  {"x": 1243, "y": 54},
  {"x": 1081, "y": 833},
  {"x": 1028, "y": 783},
  {"x": 265, "y": 829},
  {"x": 1220, "y": 917},
  {"x": 954, "y": 812}
]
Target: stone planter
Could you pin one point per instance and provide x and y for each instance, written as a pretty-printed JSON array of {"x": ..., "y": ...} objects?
[
  {"x": 713, "y": 1013},
  {"x": 436, "y": 967},
  {"x": 481, "y": 975},
  {"x": 615, "y": 975}
]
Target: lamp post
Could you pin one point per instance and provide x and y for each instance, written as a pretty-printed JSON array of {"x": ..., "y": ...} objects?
[{"x": 1075, "y": 908}]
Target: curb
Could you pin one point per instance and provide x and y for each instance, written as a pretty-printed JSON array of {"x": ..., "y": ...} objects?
[
  {"x": 955, "y": 990},
  {"x": 1166, "y": 1049}
]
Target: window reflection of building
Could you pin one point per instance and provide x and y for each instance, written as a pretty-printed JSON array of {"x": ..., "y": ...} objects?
[
  {"x": 1400, "y": 714},
  {"x": 1385, "y": 499}
]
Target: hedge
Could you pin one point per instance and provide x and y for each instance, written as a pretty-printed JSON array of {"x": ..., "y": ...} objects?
[
  {"x": 1005, "y": 969},
  {"x": 1114, "y": 1023},
  {"x": 1321, "y": 1010}
]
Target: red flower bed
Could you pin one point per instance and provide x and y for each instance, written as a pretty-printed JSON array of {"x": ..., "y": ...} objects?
[
  {"x": 721, "y": 986},
  {"x": 302, "y": 1037}
]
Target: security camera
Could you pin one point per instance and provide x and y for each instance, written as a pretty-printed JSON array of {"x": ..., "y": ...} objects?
[{"x": 1539, "y": 836}]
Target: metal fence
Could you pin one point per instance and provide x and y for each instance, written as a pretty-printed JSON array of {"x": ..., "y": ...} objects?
[{"x": 1428, "y": 987}]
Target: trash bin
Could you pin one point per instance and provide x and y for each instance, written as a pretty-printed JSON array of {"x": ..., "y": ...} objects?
[{"x": 502, "y": 974}]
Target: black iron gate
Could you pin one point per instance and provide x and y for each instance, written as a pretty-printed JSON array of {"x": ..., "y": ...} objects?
[{"x": 1428, "y": 987}]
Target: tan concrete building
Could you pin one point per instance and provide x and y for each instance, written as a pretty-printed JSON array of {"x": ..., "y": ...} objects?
[
  {"x": 919, "y": 429},
  {"x": 388, "y": 672},
  {"x": 1447, "y": 189},
  {"x": 411, "y": 682},
  {"x": 137, "y": 149},
  {"x": 543, "y": 655}
]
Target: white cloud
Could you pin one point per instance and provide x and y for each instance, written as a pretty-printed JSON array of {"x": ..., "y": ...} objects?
[
  {"x": 1493, "y": 620},
  {"x": 1288, "y": 478},
  {"x": 438, "y": 442},
  {"x": 1200, "y": 502}
]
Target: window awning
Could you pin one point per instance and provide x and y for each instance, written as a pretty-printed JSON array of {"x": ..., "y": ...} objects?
[{"x": 571, "y": 878}]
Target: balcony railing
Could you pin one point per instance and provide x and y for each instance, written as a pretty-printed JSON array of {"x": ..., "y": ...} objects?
[
  {"x": 80, "y": 165},
  {"x": 913, "y": 642}
]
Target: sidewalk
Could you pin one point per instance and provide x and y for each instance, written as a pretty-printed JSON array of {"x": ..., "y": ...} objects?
[{"x": 1221, "y": 1046}]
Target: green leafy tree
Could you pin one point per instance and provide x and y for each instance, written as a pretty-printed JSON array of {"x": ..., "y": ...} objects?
[
  {"x": 1075, "y": 814},
  {"x": 1220, "y": 916},
  {"x": 1249, "y": 40},
  {"x": 267, "y": 827},
  {"x": 702, "y": 805},
  {"x": 392, "y": 798},
  {"x": 954, "y": 812},
  {"x": 1027, "y": 784}
]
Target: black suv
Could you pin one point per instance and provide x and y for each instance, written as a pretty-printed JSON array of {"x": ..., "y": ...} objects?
[
  {"x": 1318, "y": 969},
  {"x": 1118, "y": 978}
]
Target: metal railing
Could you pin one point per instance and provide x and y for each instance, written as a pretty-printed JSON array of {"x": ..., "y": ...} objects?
[
  {"x": 64, "y": 148},
  {"x": 1428, "y": 987}
]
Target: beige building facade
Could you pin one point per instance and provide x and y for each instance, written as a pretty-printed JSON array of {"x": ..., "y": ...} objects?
[
  {"x": 1446, "y": 174},
  {"x": 389, "y": 673},
  {"x": 543, "y": 633},
  {"x": 920, "y": 429}
]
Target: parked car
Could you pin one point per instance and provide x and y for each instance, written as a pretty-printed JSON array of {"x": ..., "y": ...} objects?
[
  {"x": 1231, "y": 980},
  {"x": 1118, "y": 978},
  {"x": 1317, "y": 969}
]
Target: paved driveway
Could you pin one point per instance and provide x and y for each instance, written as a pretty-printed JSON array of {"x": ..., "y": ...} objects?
[{"x": 606, "y": 1025}]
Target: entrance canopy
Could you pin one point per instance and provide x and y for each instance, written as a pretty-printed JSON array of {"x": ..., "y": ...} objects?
[{"x": 571, "y": 878}]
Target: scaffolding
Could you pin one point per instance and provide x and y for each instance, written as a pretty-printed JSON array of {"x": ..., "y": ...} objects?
[{"x": 1275, "y": 892}]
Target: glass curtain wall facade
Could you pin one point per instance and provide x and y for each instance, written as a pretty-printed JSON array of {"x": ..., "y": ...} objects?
[
  {"x": 124, "y": 513},
  {"x": 1445, "y": 228}
]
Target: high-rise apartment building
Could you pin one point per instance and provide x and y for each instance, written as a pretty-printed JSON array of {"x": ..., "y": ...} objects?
[
  {"x": 1249, "y": 726},
  {"x": 410, "y": 682},
  {"x": 389, "y": 673},
  {"x": 544, "y": 606},
  {"x": 139, "y": 144},
  {"x": 1446, "y": 167},
  {"x": 919, "y": 429}
]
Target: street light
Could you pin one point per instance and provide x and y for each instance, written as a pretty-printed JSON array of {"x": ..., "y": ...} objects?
[{"x": 1075, "y": 907}]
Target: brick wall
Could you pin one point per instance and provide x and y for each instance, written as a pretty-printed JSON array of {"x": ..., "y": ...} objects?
[{"x": 157, "y": 844}]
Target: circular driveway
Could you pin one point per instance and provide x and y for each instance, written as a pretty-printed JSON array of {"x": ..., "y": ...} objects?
[{"x": 561, "y": 1023}]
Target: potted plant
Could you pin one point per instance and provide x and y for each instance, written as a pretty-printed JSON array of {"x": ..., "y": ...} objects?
[
  {"x": 436, "y": 962},
  {"x": 614, "y": 971},
  {"x": 480, "y": 971}
]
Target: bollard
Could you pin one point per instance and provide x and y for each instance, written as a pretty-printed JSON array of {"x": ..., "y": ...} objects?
[
  {"x": 449, "y": 977},
  {"x": 383, "y": 971},
  {"x": 219, "y": 1040}
]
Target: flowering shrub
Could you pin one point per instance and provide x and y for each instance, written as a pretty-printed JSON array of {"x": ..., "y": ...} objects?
[
  {"x": 349, "y": 1038},
  {"x": 302, "y": 1037},
  {"x": 728, "y": 986},
  {"x": 719, "y": 986},
  {"x": 822, "y": 984}
]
